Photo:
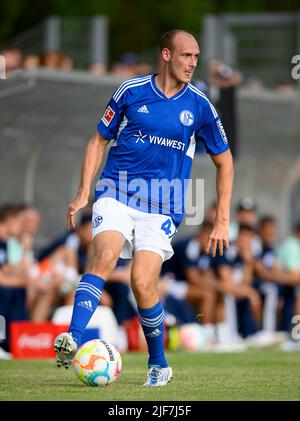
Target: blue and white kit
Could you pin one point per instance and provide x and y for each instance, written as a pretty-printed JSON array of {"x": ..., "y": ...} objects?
[{"x": 153, "y": 142}]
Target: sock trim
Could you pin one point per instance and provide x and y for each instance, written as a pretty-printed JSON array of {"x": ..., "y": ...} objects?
[
  {"x": 91, "y": 286},
  {"x": 156, "y": 321},
  {"x": 89, "y": 291}
]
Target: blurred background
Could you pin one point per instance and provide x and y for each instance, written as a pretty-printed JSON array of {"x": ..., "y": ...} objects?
[{"x": 63, "y": 61}]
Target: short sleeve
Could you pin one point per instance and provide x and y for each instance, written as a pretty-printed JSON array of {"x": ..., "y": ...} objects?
[
  {"x": 211, "y": 131},
  {"x": 108, "y": 126}
]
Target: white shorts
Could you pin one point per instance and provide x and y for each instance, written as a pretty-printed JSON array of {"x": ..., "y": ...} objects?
[{"x": 141, "y": 230}]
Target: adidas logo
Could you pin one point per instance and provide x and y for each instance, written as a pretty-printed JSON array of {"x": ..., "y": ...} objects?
[
  {"x": 86, "y": 304},
  {"x": 143, "y": 109},
  {"x": 153, "y": 334}
]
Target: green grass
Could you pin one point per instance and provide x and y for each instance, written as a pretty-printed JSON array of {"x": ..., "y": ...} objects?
[{"x": 256, "y": 375}]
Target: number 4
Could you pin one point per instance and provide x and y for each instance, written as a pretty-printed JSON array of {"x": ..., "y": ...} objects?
[{"x": 166, "y": 227}]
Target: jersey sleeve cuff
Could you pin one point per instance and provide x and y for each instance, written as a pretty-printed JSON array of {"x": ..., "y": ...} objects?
[
  {"x": 220, "y": 150},
  {"x": 102, "y": 133}
]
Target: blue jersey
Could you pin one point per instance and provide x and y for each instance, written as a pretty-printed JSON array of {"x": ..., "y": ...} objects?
[{"x": 153, "y": 143}]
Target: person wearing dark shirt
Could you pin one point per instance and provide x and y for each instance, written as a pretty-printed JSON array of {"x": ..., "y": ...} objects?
[
  {"x": 192, "y": 296},
  {"x": 242, "y": 302},
  {"x": 277, "y": 284},
  {"x": 13, "y": 305},
  {"x": 265, "y": 283}
]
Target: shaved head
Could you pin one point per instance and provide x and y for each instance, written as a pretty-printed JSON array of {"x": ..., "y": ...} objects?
[
  {"x": 168, "y": 39},
  {"x": 179, "y": 55}
]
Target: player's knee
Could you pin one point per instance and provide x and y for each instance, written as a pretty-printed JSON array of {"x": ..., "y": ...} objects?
[
  {"x": 141, "y": 286},
  {"x": 104, "y": 260}
]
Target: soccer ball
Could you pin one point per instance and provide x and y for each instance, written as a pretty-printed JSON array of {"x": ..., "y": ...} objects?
[
  {"x": 193, "y": 337},
  {"x": 97, "y": 363}
]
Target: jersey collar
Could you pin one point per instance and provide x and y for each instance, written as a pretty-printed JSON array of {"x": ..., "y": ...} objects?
[{"x": 162, "y": 95}]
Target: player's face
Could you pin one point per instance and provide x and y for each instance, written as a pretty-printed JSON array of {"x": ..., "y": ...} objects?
[{"x": 183, "y": 58}]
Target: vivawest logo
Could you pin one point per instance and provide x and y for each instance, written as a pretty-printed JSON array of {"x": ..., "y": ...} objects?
[{"x": 157, "y": 140}]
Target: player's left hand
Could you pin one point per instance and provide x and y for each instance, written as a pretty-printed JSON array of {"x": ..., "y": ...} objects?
[
  {"x": 79, "y": 203},
  {"x": 218, "y": 239}
]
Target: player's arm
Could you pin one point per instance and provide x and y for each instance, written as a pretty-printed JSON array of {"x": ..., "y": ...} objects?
[
  {"x": 224, "y": 184},
  {"x": 291, "y": 278},
  {"x": 240, "y": 291},
  {"x": 12, "y": 281},
  {"x": 195, "y": 278},
  {"x": 92, "y": 159},
  {"x": 248, "y": 273},
  {"x": 281, "y": 276},
  {"x": 263, "y": 273}
]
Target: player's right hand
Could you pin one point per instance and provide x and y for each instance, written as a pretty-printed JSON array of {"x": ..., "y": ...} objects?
[{"x": 80, "y": 202}]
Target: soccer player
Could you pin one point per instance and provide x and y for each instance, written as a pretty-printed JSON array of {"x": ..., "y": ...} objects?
[{"x": 152, "y": 124}]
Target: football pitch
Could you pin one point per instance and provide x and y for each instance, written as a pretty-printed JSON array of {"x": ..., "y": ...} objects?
[{"x": 255, "y": 375}]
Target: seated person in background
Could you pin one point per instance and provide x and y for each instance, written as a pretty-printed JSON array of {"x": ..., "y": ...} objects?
[
  {"x": 21, "y": 271},
  {"x": 275, "y": 281},
  {"x": 31, "y": 221},
  {"x": 118, "y": 287},
  {"x": 56, "y": 60},
  {"x": 13, "y": 59},
  {"x": 265, "y": 265},
  {"x": 59, "y": 267},
  {"x": 245, "y": 214},
  {"x": 19, "y": 245},
  {"x": 72, "y": 247},
  {"x": 12, "y": 280},
  {"x": 289, "y": 258},
  {"x": 188, "y": 281},
  {"x": 242, "y": 302},
  {"x": 31, "y": 61}
]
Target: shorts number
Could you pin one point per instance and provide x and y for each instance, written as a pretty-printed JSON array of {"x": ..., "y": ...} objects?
[{"x": 166, "y": 227}]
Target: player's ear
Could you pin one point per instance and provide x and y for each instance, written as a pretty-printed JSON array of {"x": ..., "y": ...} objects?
[{"x": 166, "y": 54}]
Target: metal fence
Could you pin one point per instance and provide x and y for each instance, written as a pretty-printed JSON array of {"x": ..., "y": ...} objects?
[
  {"x": 261, "y": 45},
  {"x": 83, "y": 39}
]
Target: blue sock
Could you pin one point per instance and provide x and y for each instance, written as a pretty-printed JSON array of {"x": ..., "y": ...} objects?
[
  {"x": 152, "y": 321},
  {"x": 87, "y": 297}
]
